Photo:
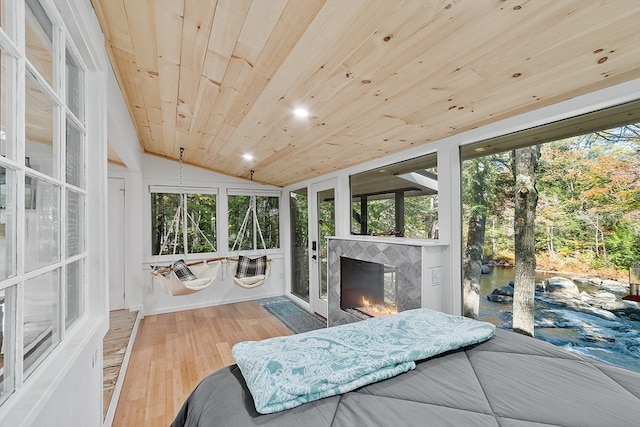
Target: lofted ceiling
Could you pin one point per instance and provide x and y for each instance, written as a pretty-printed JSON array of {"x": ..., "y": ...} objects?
[{"x": 222, "y": 78}]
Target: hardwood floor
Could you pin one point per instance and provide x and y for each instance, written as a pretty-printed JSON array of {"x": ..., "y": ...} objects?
[{"x": 174, "y": 351}]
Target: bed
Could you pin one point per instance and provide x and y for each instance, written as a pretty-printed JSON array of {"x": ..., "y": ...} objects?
[{"x": 508, "y": 380}]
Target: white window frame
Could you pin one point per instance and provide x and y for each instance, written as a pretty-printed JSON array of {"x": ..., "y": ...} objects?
[{"x": 13, "y": 44}]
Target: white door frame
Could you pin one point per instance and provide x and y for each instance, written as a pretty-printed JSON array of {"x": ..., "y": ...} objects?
[{"x": 318, "y": 305}]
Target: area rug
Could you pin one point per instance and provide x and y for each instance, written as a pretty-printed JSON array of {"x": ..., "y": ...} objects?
[{"x": 291, "y": 315}]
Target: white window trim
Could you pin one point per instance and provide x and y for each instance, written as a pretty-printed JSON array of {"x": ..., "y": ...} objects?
[{"x": 23, "y": 406}]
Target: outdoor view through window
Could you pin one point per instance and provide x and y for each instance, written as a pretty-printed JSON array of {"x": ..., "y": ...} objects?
[{"x": 549, "y": 234}]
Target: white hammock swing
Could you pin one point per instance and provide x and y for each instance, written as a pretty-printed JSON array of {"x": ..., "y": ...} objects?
[
  {"x": 180, "y": 278},
  {"x": 250, "y": 272}
]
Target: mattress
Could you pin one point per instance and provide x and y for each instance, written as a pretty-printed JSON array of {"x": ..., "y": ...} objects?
[{"x": 510, "y": 380}]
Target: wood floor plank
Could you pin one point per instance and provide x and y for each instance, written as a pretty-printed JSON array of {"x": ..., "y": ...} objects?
[{"x": 174, "y": 351}]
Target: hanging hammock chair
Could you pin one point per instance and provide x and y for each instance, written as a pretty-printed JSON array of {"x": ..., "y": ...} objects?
[
  {"x": 184, "y": 279},
  {"x": 250, "y": 272},
  {"x": 181, "y": 278}
]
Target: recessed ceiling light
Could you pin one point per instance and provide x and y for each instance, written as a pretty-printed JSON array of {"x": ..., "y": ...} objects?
[
  {"x": 247, "y": 156},
  {"x": 301, "y": 112}
]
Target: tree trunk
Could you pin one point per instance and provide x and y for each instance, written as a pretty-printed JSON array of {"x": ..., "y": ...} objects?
[
  {"x": 472, "y": 266},
  {"x": 526, "y": 163},
  {"x": 472, "y": 260}
]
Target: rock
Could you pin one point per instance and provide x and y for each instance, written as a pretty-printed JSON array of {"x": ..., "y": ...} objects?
[
  {"x": 503, "y": 294},
  {"x": 611, "y": 283},
  {"x": 580, "y": 280},
  {"x": 502, "y": 299},
  {"x": 604, "y": 296},
  {"x": 595, "y": 280},
  {"x": 505, "y": 290},
  {"x": 598, "y": 312},
  {"x": 485, "y": 269},
  {"x": 562, "y": 285}
]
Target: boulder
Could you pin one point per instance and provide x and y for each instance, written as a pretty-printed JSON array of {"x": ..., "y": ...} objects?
[
  {"x": 561, "y": 285},
  {"x": 502, "y": 299},
  {"x": 503, "y": 295},
  {"x": 485, "y": 269},
  {"x": 506, "y": 290}
]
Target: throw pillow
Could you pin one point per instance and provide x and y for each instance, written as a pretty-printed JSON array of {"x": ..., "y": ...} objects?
[
  {"x": 183, "y": 272},
  {"x": 248, "y": 267}
]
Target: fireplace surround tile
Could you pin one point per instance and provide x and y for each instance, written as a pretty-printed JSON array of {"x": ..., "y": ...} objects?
[{"x": 407, "y": 259}]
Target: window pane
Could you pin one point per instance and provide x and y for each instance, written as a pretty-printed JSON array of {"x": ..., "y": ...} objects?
[
  {"x": 39, "y": 130},
  {"x": 299, "y": 208},
  {"x": 3, "y": 14},
  {"x": 75, "y": 291},
  {"x": 7, "y": 341},
  {"x": 75, "y": 223},
  {"x": 165, "y": 229},
  {"x": 397, "y": 200},
  {"x": 543, "y": 267},
  {"x": 42, "y": 223},
  {"x": 237, "y": 209},
  {"x": 201, "y": 226},
  {"x": 268, "y": 215},
  {"x": 41, "y": 311},
  {"x": 8, "y": 180},
  {"x": 74, "y": 158},
  {"x": 38, "y": 35},
  {"x": 75, "y": 87},
  {"x": 167, "y": 223},
  {"x": 5, "y": 131}
]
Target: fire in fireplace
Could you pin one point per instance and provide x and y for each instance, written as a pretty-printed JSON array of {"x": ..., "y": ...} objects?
[{"x": 367, "y": 289}]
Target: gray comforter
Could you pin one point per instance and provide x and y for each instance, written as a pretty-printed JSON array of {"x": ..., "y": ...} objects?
[{"x": 510, "y": 381}]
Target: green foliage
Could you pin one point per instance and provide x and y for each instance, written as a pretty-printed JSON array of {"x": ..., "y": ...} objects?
[
  {"x": 201, "y": 223},
  {"x": 624, "y": 245},
  {"x": 589, "y": 199},
  {"x": 268, "y": 218}
]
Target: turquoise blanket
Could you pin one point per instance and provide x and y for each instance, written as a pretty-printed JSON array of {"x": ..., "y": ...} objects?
[{"x": 285, "y": 372}]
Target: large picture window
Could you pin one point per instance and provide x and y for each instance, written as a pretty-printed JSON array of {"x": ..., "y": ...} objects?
[
  {"x": 550, "y": 231},
  {"x": 168, "y": 220}
]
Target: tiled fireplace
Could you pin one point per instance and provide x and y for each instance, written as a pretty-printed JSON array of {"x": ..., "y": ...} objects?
[{"x": 404, "y": 261}]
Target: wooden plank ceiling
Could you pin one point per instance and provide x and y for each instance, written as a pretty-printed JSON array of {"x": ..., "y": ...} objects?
[{"x": 221, "y": 78}]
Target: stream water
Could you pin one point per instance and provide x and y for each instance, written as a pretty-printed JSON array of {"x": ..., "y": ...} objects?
[{"x": 614, "y": 342}]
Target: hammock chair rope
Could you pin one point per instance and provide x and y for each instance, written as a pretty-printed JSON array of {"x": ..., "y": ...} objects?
[
  {"x": 250, "y": 282},
  {"x": 203, "y": 272}
]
